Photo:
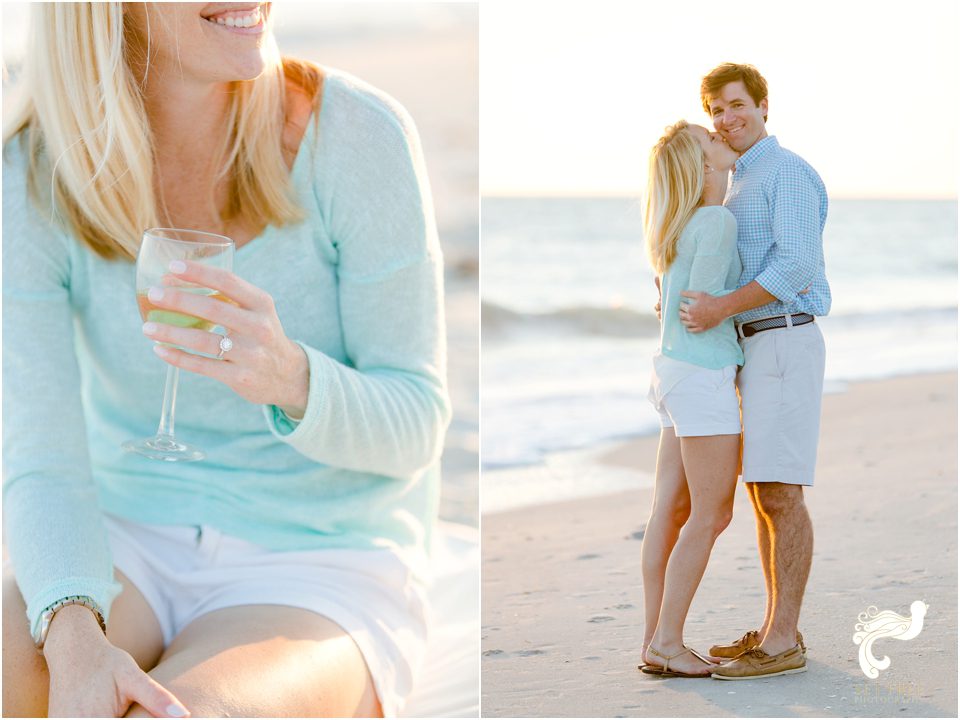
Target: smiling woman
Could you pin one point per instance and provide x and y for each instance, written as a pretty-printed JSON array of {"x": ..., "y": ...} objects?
[{"x": 284, "y": 575}]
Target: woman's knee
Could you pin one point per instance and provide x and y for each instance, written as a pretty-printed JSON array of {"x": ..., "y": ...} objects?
[
  {"x": 722, "y": 519},
  {"x": 714, "y": 520},
  {"x": 673, "y": 514}
]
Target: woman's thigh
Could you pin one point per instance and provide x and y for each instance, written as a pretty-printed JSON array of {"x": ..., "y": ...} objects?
[
  {"x": 133, "y": 627},
  {"x": 670, "y": 490},
  {"x": 710, "y": 463},
  {"x": 266, "y": 661}
]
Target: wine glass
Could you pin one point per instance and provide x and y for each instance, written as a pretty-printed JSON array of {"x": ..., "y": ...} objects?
[{"x": 159, "y": 247}]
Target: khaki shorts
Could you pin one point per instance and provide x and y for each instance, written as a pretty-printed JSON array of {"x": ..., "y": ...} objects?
[{"x": 781, "y": 389}]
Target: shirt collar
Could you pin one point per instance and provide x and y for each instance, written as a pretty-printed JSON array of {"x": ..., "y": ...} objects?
[{"x": 759, "y": 149}]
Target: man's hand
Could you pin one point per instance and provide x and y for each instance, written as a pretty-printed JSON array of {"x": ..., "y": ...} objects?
[{"x": 704, "y": 311}]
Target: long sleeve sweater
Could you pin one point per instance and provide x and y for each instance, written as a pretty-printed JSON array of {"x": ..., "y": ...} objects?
[
  {"x": 706, "y": 261},
  {"x": 358, "y": 284}
]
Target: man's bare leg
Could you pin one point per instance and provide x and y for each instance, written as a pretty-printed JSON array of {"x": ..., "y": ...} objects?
[
  {"x": 766, "y": 558},
  {"x": 791, "y": 540}
]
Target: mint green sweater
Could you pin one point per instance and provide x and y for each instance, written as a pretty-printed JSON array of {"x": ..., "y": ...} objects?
[
  {"x": 358, "y": 284},
  {"x": 708, "y": 261}
]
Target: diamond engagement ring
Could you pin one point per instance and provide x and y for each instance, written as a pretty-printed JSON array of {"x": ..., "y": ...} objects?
[{"x": 226, "y": 345}]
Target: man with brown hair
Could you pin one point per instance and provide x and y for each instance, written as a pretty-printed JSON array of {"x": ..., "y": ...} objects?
[{"x": 780, "y": 205}]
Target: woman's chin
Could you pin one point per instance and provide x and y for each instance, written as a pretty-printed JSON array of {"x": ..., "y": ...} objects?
[{"x": 247, "y": 69}]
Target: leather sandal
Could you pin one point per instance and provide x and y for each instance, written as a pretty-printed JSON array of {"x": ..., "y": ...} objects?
[{"x": 665, "y": 671}]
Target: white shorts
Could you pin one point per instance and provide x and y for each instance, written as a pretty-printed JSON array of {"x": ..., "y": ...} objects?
[
  {"x": 781, "y": 390},
  {"x": 187, "y": 571},
  {"x": 703, "y": 403}
]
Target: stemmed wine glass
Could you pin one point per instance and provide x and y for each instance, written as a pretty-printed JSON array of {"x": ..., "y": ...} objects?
[{"x": 159, "y": 247}]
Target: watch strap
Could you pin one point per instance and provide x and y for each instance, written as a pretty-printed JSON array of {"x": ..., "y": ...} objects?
[{"x": 40, "y": 638}]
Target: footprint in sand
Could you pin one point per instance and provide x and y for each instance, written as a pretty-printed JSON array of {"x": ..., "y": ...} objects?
[
  {"x": 528, "y": 653},
  {"x": 638, "y": 535},
  {"x": 493, "y": 653},
  {"x": 589, "y": 556},
  {"x": 624, "y": 606},
  {"x": 601, "y": 618}
]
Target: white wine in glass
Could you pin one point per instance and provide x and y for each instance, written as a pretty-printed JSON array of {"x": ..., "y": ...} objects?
[{"x": 160, "y": 246}]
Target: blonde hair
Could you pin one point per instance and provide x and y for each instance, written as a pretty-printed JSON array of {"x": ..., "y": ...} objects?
[
  {"x": 85, "y": 131},
  {"x": 674, "y": 188}
]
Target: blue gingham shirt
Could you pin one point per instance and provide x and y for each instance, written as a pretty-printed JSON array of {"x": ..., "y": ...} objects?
[{"x": 781, "y": 207}]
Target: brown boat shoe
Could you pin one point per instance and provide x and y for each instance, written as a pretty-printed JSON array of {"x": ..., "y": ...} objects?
[
  {"x": 750, "y": 640},
  {"x": 756, "y": 663}
]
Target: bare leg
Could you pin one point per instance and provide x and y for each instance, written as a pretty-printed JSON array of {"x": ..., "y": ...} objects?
[
  {"x": 710, "y": 464},
  {"x": 266, "y": 661},
  {"x": 133, "y": 627},
  {"x": 671, "y": 508},
  {"x": 792, "y": 551},
  {"x": 764, "y": 547}
]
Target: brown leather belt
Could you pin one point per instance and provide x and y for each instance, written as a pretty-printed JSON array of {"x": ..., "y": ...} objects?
[{"x": 749, "y": 329}]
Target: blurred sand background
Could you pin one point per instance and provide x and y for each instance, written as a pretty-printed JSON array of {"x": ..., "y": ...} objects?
[{"x": 562, "y": 617}]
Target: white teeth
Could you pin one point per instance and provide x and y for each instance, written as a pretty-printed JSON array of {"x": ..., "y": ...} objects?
[{"x": 243, "y": 21}]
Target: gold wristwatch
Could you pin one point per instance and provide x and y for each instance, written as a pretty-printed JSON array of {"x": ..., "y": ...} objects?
[{"x": 40, "y": 637}]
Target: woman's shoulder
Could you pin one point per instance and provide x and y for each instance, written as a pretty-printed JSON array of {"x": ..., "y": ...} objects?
[
  {"x": 716, "y": 215},
  {"x": 350, "y": 103},
  {"x": 362, "y": 136},
  {"x": 713, "y": 228},
  {"x": 715, "y": 218},
  {"x": 15, "y": 164},
  {"x": 17, "y": 199}
]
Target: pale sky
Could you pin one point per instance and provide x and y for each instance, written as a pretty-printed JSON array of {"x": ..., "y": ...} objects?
[{"x": 574, "y": 94}]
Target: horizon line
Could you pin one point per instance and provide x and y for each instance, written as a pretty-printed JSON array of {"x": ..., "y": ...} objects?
[{"x": 536, "y": 194}]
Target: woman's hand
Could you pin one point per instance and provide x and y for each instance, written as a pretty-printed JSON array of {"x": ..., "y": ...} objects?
[
  {"x": 89, "y": 677},
  {"x": 264, "y": 366}
]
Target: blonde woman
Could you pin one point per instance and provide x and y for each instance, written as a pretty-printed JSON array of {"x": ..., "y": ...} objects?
[
  {"x": 284, "y": 575},
  {"x": 692, "y": 244}
]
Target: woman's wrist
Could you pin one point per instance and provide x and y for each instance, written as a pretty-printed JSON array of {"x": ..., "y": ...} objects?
[
  {"x": 297, "y": 384},
  {"x": 73, "y": 626}
]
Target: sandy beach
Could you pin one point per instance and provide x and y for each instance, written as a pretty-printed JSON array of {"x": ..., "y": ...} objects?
[{"x": 562, "y": 601}]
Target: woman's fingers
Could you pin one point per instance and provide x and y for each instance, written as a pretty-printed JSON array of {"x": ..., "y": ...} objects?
[
  {"x": 234, "y": 287},
  {"x": 154, "y": 697},
  {"x": 212, "y": 368},
  {"x": 189, "y": 338},
  {"x": 191, "y": 308}
]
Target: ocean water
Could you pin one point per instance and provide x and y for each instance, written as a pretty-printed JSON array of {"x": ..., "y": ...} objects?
[{"x": 569, "y": 328}]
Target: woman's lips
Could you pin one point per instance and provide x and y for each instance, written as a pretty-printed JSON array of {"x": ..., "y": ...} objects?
[{"x": 245, "y": 22}]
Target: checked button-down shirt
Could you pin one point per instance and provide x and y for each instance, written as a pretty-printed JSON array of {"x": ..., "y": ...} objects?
[{"x": 781, "y": 207}]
